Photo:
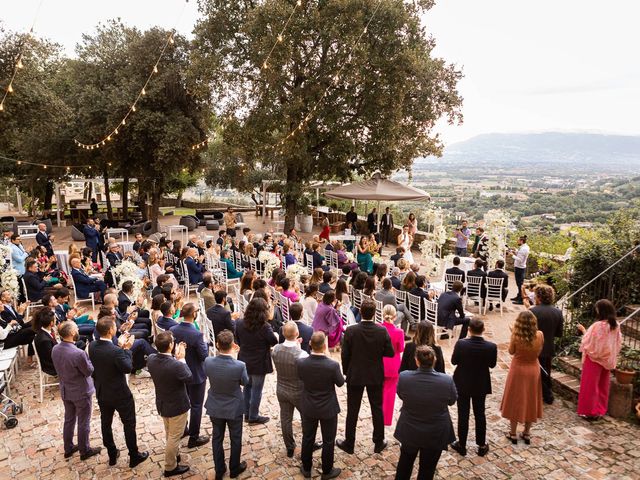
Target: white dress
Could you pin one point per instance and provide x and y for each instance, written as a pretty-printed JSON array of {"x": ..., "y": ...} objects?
[{"x": 407, "y": 248}]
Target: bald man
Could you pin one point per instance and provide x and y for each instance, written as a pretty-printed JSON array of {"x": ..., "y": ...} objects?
[
  {"x": 195, "y": 267},
  {"x": 289, "y": 386}
]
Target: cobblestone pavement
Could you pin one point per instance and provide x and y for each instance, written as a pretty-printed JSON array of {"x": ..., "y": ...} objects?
[{"x": 563, "y": 446}]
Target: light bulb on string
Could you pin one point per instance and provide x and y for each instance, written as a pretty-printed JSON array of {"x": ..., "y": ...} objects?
[
  {"x": 19, "y": 64},
  {"x": 155, "y": 69},
  {"x": 2, "y": 107},
  {"x": 171, "y": 41},
  {"x": 299, "y": 3},
  {"x": 280, "y": 38},
  {"x": 133, "y": 108},
  {"x": 10, "y": 88},
  {"x": 124, "y": 121},
  {"x": 144, "y": 92}
]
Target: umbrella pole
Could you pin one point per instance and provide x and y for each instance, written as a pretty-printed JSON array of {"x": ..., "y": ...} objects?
[{"x": 378, "y": 220}]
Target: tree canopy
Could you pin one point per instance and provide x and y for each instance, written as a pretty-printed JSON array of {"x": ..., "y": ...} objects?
[{"x": 353, "y": 87}]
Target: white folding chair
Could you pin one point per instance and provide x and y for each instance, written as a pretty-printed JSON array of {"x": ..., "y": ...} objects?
[
  {"x": 75, "y": 293},
  {"x": 415, "y": 308},
  {"x": 449, "y": 278},
  {"x": 401, "y": 297},
  {"x": 8, "y": 365},
  {"x": 30, "y": 305},
  {"x": 309, "y": 263},
  {"x": 188, "y": 286},
  {"x": 474, "y": 290},
  {"x": 333, "y": 261},
  {"x": 379, "y": 307},
  {"x": 357, "y": 298},
  {"x": 43, "y": 377},
  {"x": 284, "y": 303},
  {"x": 225, "y": 280},
  {"x": 494, "y": 292},
  {"x": 431, "y": 316}
]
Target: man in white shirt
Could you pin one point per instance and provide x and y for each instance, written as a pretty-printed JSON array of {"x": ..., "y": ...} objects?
[{"x": 520, "y": 257}]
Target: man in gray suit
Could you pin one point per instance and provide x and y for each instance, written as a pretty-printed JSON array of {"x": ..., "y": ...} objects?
[
  {"x": 225, "y": 403},
  {"x": 289, "y": 386},
  {"x": 387, "y": 297},
  {"x": 76, "y": 388},
  {"x": 422, "y": 430}
]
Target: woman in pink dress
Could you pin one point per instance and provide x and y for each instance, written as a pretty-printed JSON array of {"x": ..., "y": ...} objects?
[
  {"x": 391, "y": 364},
  {"x": 413, "y": 224},
  {"x": 600, "y": 348},
  {"x": 327, "y": 319}
]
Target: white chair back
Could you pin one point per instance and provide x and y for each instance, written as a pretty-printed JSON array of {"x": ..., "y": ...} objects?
[
  {"x": 414, "y": 306},
  {"x": 494, "y": 292},
  {"x": 309, "y": 263},
  {"x": 401, "y": 297},
  {"x": 379, "y": 308},
  {"x": 357, "y": 298},
  {"x": 474, "y": 289},
  {"x": 449, "y": 278},
  {"x": 284, "y": 303},
  {"x": 333, "y": 260},
  {"x": 42, "y": 376}
]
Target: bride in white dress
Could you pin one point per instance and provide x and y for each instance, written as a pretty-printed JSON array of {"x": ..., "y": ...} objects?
[{"x": 405, "y": 240}]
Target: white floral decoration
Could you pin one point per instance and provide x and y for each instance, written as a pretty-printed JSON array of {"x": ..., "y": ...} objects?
[
  {"x": 5, "y": 251},
  {"x": 9, "y": 280},
  {"x": 496, "y": 226},
  {"x": 435, "y": 237},
  {"x": 128, "y": 271},
  {"x": 270, "y": 262},
  {"x": 295, "y": 271}
]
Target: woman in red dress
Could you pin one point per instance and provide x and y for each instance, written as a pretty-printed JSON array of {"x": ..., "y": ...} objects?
[{"x": 325, "y": 228}]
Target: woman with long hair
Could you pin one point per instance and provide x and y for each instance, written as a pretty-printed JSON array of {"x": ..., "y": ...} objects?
[
  {"x": 381, "y": 272},
  {"x": 310, "y": 303},
  {"x": 424, "y": 334},
  {"x": 409, "y": 282},
  {"x": 317, "y": 276},
  {"x": 246, "y": 284},
  {"x": 326, "y": 229},
  {"x": 600, "y": 347},
  {"x": 364, "y": 257},
  {"x": 359, "y": 281},
  {"x": 412, "y": 222},
  {"x": 370, "y": 287},
  {"x": 328, "y": 320},
  {"x": 255, "y": 338},
  {"x": 391, "y": 364},
  {"x": 288, "y": 290},
  {"x": 522, "y": 398}
]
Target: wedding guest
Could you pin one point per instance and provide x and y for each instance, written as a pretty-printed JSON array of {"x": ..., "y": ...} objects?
[
  {"x": 423, "y": 335},
  {"x": 352, "y": 218},
  {"x": 424, "y": 425},
  {"x": 391, "y": 364},
  {"x": 550, "y": 323},
  {"x": 386, "y": 226},
  {"x": 522, "y": 397},
  {"x": 12, "y": 318},
  {"x": 225, "y": 404},
  {"x": 45, "y": 339},
  {"x": 364, "y": 346},
  {"x": 221, "y": 318},
  {"x": 304, "y": 330},
  {"x": 500, "y": 273},
  {"x": 169, "y": 376},
  {"x": 364, "y": 257},
  {"x": 310, "y": 303},
  {"x": 450, "y": 303},
  {"x": 320, "y": 376},
  {"x": 372, "y": 221},
  {"x": 328, "y": 320},
  {"x": 520, "y": 257},
  {"x": 455, "y": 269},
  {"x": 474, "y": 357},
  {"x": 76, "y": 390},
  {"x": 255, "y": 338},
  {"x": 600, "y": 347},
  {"x": 462, "y": 235},
  {"x": 412, "y": 221}
]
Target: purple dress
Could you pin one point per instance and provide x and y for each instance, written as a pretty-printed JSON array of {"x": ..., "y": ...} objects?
[{"x": 328, "y": 320}]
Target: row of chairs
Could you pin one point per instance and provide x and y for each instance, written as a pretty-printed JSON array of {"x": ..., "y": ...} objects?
[{"x": 474, "y": 284}]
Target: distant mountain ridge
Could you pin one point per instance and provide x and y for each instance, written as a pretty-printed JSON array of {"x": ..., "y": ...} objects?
[{"x": 588, "y": 150}]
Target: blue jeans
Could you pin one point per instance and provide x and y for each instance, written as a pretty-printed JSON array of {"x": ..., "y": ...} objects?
[
  {"x": 520, "y": 274},
  {"x": 461, "y": 251},
  {"x": 253, "y": 396}
]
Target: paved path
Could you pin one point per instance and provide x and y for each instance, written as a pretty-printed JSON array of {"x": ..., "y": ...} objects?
[{"x": 563, "y": 446}]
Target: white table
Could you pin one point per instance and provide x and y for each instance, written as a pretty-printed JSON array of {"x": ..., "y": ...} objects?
[
  {"x": 343, "y": 238},
  {"x": 27, "y": 231},
  {"x": 122, "y": 232},
  {"x": 182, "y": 230},
  {"x": 62, "y": 259}
]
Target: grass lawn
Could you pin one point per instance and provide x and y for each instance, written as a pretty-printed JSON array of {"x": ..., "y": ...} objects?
[{"x": 178, "y": 211}]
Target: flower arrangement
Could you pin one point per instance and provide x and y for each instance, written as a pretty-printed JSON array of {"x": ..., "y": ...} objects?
[
  {"x": 295, "y": 271},
  {"x": 496, "y": 225},
  {"x": 270, "y": 262},
  {"x": 128, "y": 270},
  {"x": 5, "y": 251},
  {"x": 9, "y": 280},
  {"x": 350, "y": 257},
  {"x": 435, "y": 237},
  {"x": 430, "y": 258}
]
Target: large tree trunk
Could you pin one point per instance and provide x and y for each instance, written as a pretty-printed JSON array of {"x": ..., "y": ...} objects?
[
  {"x": 32, "y": 203},
  {"x": 142, "y": 201},
  {"x": 107, "y": 194},
  {"x": 179, "y": 199},
  {"x": 155, "y": 207},
  {"x": 48, "y": 198},
  {"x": 292, "y": 192},
  {"x": 125, "y": 197}
]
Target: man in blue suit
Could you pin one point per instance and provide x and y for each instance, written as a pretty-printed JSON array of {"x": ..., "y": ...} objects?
[
  {"x": 422, "y": 430},
  {"x": 44, "y": 240},
  {"x": 92, "y": 238},
  {"x": 448, "y": 304},
  {"x": 76, "y": 389},
  {"x": 225, "y": 403},
  {"x": 84, "y": 284},
  {"x": 166, "y": 321},
  {"x": 197, "y": 352},
  {"x": 195, "y": 268}
]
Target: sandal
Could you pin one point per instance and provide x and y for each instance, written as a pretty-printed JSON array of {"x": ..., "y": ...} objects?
[
  {"x": 512, "y": 436},
  {"x": 526, "y": 437}
]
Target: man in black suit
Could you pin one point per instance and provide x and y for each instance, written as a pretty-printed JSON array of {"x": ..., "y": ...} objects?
[
  {"x": 221, "y": 317},
  {"x": 397, "y": 256},
  {"x": 363, "y": 347},
  {"x": 550, "y": 322},
  {"x": 500, "y": 273},
  {"x": 111, "y": 363},
  {"x": 319, "y": 404},
  {"x": 424, "y": 425},
  {"x": 305, "y": 331},
  {"x": 44, "y": 240},
  {"x": 474, "y": 358},
  {"x": 386, "y": 226},
  {"x": 138, "y": 242},
  {"x": 448, "y": 304},
  {"x": 45, "y": 339},
  {"x": 21, "y": 332},
  {"x": 456, "y": 270},
  {"x": 479, "y": 271},
  {"x": 169, "y": 376},
  {"x": 114, "y": 255},
  {"x": 36, "y": 287},
  {"x": 372, "y": 221},
  {"x": 352, "y": 217}
]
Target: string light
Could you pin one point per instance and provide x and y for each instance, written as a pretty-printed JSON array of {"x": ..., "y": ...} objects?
[
  {"x": 18, "y": 63},
  {"x": 43, "y": 165},
  {"x": 265, "y": 62},
  {"x": 336, "y": 79},
  {"x": 170, "y": 41}
]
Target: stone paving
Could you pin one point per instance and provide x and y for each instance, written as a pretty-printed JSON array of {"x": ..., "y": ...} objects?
[{"x": 563, "y": 445}]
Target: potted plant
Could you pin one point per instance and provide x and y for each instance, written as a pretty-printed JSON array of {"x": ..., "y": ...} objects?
[
  {"x": 304, "y": 217},
  {"x": 624, "y": 372}
]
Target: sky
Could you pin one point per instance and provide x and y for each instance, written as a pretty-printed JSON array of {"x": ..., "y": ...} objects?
[{"x": 561, "y": 65}]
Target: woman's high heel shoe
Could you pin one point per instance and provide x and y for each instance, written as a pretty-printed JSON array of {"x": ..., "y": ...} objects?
[
  {"x": 512, "y": 437},
  {"x": 526, "y": 437}
]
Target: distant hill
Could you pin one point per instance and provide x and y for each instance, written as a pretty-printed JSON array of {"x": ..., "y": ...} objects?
[{"x": 587, "y": 151}]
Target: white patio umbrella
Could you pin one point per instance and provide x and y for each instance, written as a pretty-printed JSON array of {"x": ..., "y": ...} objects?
[{"x": 379, "y": 189}]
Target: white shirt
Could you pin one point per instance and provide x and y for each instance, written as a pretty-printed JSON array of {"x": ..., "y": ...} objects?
[{"x": 520, "y": 259}]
